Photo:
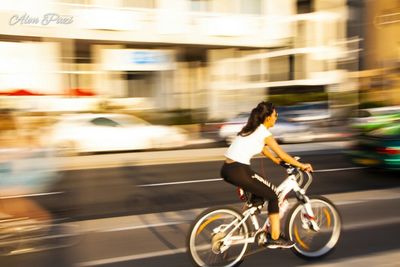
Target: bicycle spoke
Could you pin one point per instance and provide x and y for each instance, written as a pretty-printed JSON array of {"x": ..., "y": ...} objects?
[{"x": 218, "y": 239}]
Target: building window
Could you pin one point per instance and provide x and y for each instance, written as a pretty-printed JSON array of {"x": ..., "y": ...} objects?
[
  {"x": 105, "y": 3},
  {"x": 140, "y": 3},
  {"x": 200, "y": 5},
  {"x": 301, "y": 35},
  {"x": 300, "y": 67},
  {"x": 279, "y": 69},
  {"x": 225, "y": 6},
  {"x": 304, "y": 6},
  {"x": 251, "y": 7},
  {"x": 254, "y": 71},
  {"x": 79, "y": 2},
  {"x": 82, "y": 52},
  {"x": 140, "y": 84},
  {"x": 79, "y": 82}
]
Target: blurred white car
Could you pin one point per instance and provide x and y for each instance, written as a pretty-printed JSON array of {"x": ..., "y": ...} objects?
[
  {"x": 307, "y": 112},
  {"x": 283, "y": 131},
  {"x": 79, "y": 133}
]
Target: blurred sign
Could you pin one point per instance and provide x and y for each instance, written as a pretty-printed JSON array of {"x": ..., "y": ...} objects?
[
  {"x": 146, "y": 57},
  {"x": 137, "y": 60}
]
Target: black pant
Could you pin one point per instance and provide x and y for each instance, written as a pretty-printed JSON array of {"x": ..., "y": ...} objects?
[{"x": 243, "y": 176}]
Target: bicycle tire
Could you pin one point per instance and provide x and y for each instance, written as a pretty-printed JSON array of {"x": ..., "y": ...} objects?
[
  {"x": 200, "y": 220},
  {"x": 332, "y": 216}
]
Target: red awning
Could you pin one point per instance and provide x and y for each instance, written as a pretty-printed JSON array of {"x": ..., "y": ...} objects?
[
  {"x": 22, "y": 92},
  {"x": 80, "y": 92},
  {"x": 25, "y": 92}
]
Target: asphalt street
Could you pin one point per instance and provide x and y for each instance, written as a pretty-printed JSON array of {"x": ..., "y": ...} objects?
[
  {"x": 138, "y": 215},
  {"x": 364, "y": 233},
  {"x": 371, "y": 225},
  {"x": 130, "y": 190}
]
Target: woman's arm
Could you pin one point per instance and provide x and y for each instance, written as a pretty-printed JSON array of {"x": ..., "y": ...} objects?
[
  {"x": 266, "y": 152},
  {"x": 273, "y": 145}
]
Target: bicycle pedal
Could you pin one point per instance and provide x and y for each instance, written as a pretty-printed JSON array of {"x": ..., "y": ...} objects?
[{"x": 261, "y": 238}]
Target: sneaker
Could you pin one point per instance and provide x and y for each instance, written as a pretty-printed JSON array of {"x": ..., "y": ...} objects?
[{"x": 281, "y": 242}]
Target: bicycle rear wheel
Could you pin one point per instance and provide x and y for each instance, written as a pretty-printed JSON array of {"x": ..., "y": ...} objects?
[
  {"x": 207, "y": 245},
  {"x": 309, "y": 243}
]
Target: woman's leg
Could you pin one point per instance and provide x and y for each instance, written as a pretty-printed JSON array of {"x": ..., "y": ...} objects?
[
  {"x": 243, "y": 176},
  {"x": 274, "y": 221},
  {"x": 269, "y": 194}
]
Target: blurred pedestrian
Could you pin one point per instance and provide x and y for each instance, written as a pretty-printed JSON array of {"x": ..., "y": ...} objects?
[{"x": 26, "y": 168}]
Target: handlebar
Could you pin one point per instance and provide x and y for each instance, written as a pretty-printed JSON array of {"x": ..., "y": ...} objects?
[
  {"x": 290, "y": 169},
  {"x": 287, "y": 165}
]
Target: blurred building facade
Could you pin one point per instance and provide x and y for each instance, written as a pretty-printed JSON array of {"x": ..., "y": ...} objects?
[
  {"x": 220, "y": 55},
  {"x": 380, "y": 79}
]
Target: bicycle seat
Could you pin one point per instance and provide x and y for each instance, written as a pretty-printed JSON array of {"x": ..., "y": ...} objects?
[{"x": 250, "y": 198}]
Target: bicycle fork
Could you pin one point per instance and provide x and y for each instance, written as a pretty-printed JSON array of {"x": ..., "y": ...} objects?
[
  {"x": 290, "y": 184},
  {"x": 309, "y": 221}
]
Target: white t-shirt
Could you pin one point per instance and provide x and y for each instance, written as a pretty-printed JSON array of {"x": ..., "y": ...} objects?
[{"x": 243, "y": 148}]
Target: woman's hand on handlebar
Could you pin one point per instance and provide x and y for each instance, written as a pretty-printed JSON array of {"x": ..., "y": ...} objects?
[{"x": 306, "y": 167}]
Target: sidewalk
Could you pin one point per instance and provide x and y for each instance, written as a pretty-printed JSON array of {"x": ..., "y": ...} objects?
[
  {"x": 382, "y": 259},
  {"x": 157, "y": 228},
  {"x": 180, "y": 156}
]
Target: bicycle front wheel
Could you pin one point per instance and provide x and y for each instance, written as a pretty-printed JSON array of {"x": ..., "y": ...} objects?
[
  {"x": 216, "y": 238},
  {"x": 308, "y": 242}
]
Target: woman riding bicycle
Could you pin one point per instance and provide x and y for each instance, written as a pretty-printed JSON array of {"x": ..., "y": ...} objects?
[{"x": 255, "y": 138}]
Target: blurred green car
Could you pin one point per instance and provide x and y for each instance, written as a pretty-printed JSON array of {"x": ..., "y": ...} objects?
[
  {"x": 378, "y": 148},
  {"x": 373, "y": 122},
  {"x": 366, "y": 120}
]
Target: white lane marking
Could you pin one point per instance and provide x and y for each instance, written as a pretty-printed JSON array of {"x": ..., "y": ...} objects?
[
  {"x": 366, "y": 224},
  {"x": 183, "y": 250},
  {"x": 32, "y": 195},
  {"x": 131, "y": 257},
  {"x": 182, "y": 182},
  {"x": 340, "y": 169},
  {"x": 220, "y": 179},
  {"x": 139, "y": 227},
  {"x": 349, "y": 202}
]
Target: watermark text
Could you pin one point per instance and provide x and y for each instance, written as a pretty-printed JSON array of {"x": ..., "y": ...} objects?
[{"x": 46, "y": 19}]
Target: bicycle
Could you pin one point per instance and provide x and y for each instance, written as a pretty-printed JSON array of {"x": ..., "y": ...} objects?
[
  {"x": 220, "y": 236},
  {"x": 24, "y": 235},
  {"x": 25, "y": 172}
]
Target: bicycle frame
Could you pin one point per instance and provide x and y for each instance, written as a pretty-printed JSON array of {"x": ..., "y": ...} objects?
[{"x": 294, "y": 182}]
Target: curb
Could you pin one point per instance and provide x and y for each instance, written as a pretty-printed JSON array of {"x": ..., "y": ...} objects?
[{"x": 180, "y": 156}]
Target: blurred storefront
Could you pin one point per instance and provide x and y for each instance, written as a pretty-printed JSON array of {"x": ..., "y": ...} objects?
[
  {"x": 25, "y": 68},
  {"x": 219, "y": 55},
  {"x": 135, "y": 73}
]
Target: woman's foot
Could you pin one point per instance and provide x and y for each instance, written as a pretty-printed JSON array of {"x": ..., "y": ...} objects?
[{"x": 281, "y": 242}]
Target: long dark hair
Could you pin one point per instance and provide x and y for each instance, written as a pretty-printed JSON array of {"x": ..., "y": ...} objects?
[{"x": 257, "y": 117}]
